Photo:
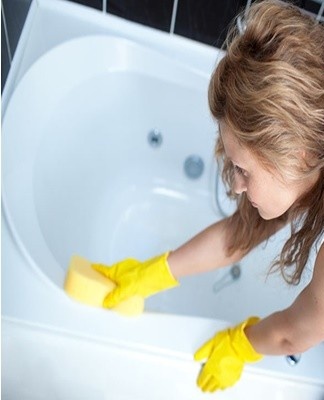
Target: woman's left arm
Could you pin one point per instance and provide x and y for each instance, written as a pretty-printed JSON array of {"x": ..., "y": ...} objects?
[{"x": 298, "y": 327}]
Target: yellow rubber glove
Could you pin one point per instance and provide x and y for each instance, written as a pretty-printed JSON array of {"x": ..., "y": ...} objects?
[
  {"x": 134, "y": 277},
  {"x": 226, "y": 354}
]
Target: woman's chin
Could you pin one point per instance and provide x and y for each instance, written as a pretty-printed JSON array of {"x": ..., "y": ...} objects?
[{"x": 267, "y": 215}]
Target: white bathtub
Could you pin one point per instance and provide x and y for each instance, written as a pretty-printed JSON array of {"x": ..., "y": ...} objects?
[{"x": 80, "y": 176}]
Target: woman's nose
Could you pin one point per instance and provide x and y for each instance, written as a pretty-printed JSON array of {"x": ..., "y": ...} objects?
[{"x": 239, "y": 185}]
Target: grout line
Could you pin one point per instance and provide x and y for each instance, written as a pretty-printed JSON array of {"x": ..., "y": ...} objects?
[
  {"x": 104, "y": 6},
  {"x": 320, "y": 12},
  {"x": 6, "y": 32},
  {"x": 174, "y": 16},
  {"x": 247, "y": 7}
]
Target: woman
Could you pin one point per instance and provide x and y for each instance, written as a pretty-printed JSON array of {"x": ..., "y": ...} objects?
[{"x": 267, "y": 94}]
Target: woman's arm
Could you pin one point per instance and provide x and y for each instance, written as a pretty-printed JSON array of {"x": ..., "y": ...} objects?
[
  {"x": 204, "y": 252},
  {"x": 207, "y": 251},
  {"x": 298, "y": 327}
]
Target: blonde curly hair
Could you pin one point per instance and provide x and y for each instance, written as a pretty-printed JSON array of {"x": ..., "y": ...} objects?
[{"x": 269, "y": 89}]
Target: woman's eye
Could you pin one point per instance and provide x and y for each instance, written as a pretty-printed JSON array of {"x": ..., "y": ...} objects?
[{"x": 239, "y": 170}]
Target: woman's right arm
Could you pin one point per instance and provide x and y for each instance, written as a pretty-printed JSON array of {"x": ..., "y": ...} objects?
[
  {"x": 204, "y": 252},
  {"x": 208, "y": 250}
]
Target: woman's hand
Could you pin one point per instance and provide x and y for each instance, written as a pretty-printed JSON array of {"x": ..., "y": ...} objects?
[
  {"x": 226, "y": 354},
  {"x": 134, "y": 277}
]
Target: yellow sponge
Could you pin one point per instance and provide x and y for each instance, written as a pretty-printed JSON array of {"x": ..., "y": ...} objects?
[{"x": 88, "y": 286}]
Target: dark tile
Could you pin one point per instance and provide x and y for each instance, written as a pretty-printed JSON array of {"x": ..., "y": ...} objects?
[
  {"x": 5, "y": 60},
  {"x": 15, "y": 13},
  {"x": 156, "y": 14},
  {"x": 206, "y": 20},
  {"x": 90, "y": 3},
  {"x": 311, "y": 6}
]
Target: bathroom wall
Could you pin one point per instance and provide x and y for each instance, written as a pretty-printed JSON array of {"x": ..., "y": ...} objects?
[
  {"x": 13, "y": 15},
  {"x": 202, "y": 20}
]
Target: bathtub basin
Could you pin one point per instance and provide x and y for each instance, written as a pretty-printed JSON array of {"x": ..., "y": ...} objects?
[{"x": 80, "y": 175}]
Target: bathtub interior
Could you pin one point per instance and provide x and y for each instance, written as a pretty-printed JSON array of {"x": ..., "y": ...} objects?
[
  {"x": 80, "y": 176},
  {"x": 116, "y": 195}
]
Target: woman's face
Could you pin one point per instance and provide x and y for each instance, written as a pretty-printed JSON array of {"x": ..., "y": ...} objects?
[{"x": 266, "y": 190}]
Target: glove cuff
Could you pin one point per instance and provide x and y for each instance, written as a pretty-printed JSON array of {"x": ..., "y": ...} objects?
[
  {"x": 163, "y": 278},
  {"x": 172, "y": 280},
  {"x": 240, "y": 342}
]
